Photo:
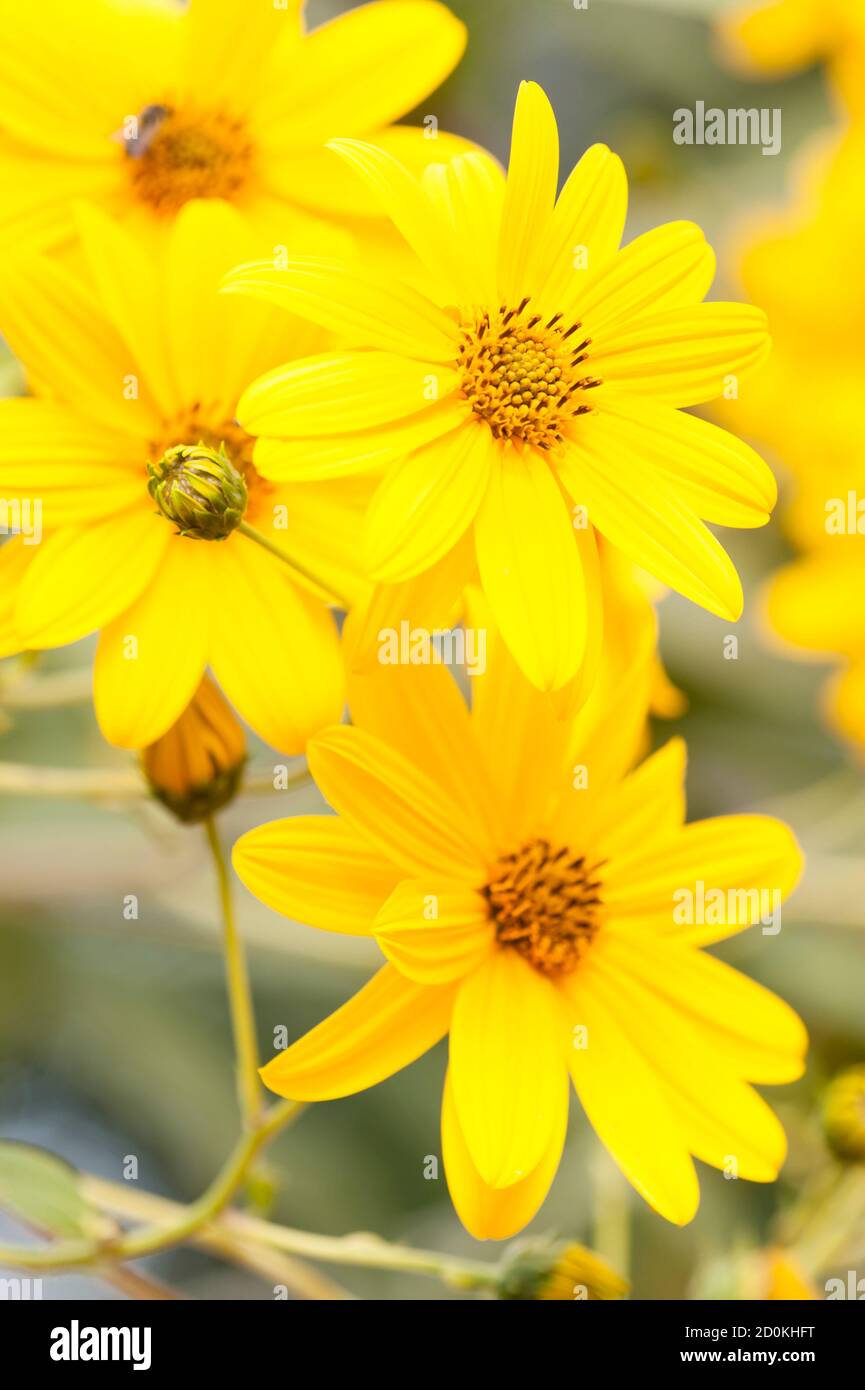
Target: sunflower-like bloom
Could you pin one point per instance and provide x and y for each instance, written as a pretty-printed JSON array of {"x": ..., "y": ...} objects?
[
  {"x": 545, "y": 907},
  {"x": 139, "y": 360},
  {"x": 531, "y": 394},
  {"x": 804, "y": 268},
  {"x": 844, "y": 1114},
  {"x": 142, "y": 105},
  {"x": 783, "y": 36}
]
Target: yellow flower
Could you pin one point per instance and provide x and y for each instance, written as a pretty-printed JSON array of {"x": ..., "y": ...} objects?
[
  {"x": 194, "y": 769},
  {"x": 138, "y": 358},
  {"x": 546, "y": 909},
  {"x": 145, "y": 104},
  {"x": 804, "y": 268},
  {"x": 782, "y": 36},
  {"x": 844, "y": 1114},
  {"x": 534, "y": 390}
]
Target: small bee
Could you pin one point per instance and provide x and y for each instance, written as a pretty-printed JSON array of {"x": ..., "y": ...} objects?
[{"x": 138, "y": 131}]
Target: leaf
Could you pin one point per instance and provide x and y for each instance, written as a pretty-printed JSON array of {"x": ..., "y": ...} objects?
[{"x": 42, "y": 1190}]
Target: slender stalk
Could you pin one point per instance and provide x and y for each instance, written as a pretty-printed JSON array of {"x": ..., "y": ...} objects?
[
  {"x": 250, "y": 1233},
  {"x": 78, "y": 1252},
  {"x": 324, "y": 591},
  {"x": 239, "y": 993},
  {"x": 108, "y": 784}
]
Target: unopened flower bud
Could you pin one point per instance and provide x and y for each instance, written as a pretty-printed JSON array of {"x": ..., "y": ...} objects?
[
  {"x": 544, "y": 1270},
  {"x": 200, "y": 490},
  {"x": 844, "y": 1114},
  {"x": 195, "y": 767}
]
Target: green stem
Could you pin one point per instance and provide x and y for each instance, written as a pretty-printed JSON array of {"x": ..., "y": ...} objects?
[
  {"x": 72, "y": 1254},
  {"x": 239, "y": 993},
  {"x": 324, "y": 591}
]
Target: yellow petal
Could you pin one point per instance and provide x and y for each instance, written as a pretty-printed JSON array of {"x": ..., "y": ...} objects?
[
  {"x": 323, "y": 523},
  {"x": 402, "y": 197},
  {"x": 758, "y": 1034},
  {"x": 386, "y": 1025},
  {"x": 533, "y": 172},
  {"x": 274, "y": 650},
  {"x": 78, "y": 471},
  {"x": 723, "y": 1121},
  {"x": 845, "y": 702},
  {"x": 315, "y": 869},
  {"x": 531, "y": 568},
  {"x": 360, "y": 71},
  {"x": 719, "y": 477},
  {"x": 507, "y": 1067},
  {"x": 418, "y": 710},
  {"x": 642, "y": 514},
  {"x": 434, "y": 931},
  {"x": 707, "y": 881},
  {"x": 804, "y": 601},
  {"x": 469, "y": 191},
  {"x": 68, "y": 77},
  {"x": 131, "y": 291},
  {"x": 83, "y": 576},
  {"x": 522, "y": 738},
  {"x": 584, "y": 230},
  {"x": 627, "y": 1106},
  {"x": 339, "y": 392},
  {"x": 150, "y": 660},
  {"x": 319, "y": 178},
  {"x": 361, "y": 451},
  {"x": 426, "y": 502},
  {"x": 72, "y": 349},
  {"x": 493, "y": 1213},
  {"x": 666, "y": 268},
  {"x": 369, "y": 309},
  {"x": 682, "y": 356},
  {"x": 15, "y": 557},
  {"x": 226, "y": 47},
  {"x": 647, "y": 804},
  {"x": 412, "y": 819}
]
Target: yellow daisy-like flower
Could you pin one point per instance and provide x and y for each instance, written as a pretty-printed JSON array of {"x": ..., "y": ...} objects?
[
  {"x": 545, "y": 908},
  {"x": 534, "y": 388},
  {"x": 141, "y": 105},
  {"x": 141, "y": 358},
  {"x": 783, "y": 36}
]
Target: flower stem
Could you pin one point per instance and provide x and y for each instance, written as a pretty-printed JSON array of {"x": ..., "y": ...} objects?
[
  {"x": 323, "y": 591},
  {"x": 239, "y": 994}
]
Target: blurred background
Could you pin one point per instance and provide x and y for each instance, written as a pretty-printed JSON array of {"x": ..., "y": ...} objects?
[{"x": 114, "y": 1037}]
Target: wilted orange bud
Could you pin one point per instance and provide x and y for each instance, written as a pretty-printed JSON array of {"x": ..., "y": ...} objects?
[{"x": 195, "y": 768}]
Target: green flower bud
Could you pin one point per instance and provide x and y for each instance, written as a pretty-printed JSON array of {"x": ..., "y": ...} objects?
[
  {"x": 200, "y": 490},
  {"x": 844, "y": 1114},
  {"x": 547, "y": 1270}
]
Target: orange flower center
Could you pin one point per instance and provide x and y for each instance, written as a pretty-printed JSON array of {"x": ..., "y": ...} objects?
[
  {"x": 524, "y": 376},
  {"x": 544, "y": 903},
  {"x": 192, "y": 427},
  {"x": 175, "y": 156}
]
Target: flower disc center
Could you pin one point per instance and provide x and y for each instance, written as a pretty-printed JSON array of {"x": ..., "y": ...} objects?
[
  {"x": 176, "y": 155},
  {"x": 524, "y": 376},
  {"x": 544, "y": 903}
]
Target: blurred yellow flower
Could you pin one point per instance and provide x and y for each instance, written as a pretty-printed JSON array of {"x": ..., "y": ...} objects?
[
  {"x": 531, "y": 398},
  {"x": 781, "y": 36},
  {"x": 141, "y": 105},
  {"x": 803, "y": 266},
  {"x": 139, "y": 357},
  {"x": 546, "y": 908}
]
